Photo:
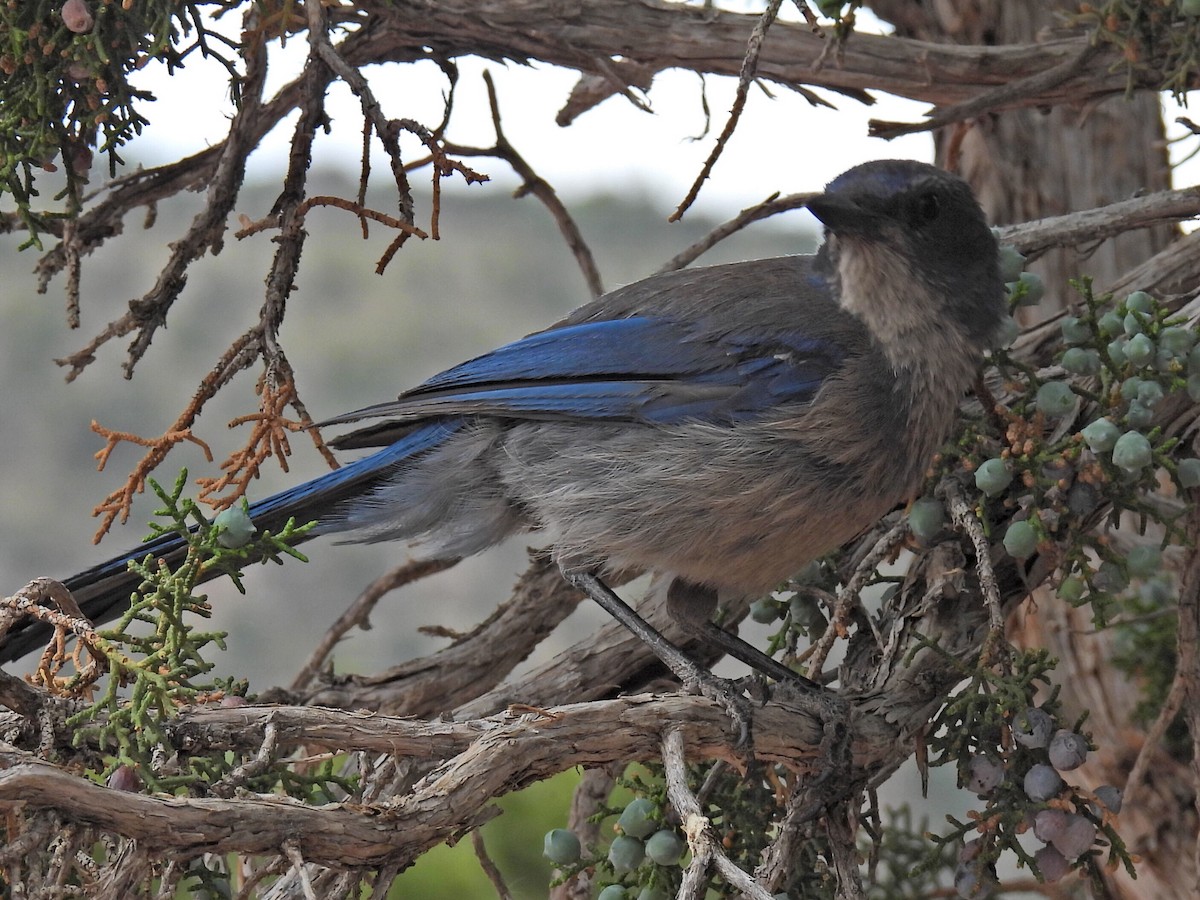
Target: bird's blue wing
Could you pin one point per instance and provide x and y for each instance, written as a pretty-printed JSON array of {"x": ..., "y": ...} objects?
[{"x": 641, "y": 368}]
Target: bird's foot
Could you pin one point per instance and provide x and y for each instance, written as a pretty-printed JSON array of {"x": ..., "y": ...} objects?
[
  {"x": 730, "y": 696},
  {"x": 834, "y": 762}
]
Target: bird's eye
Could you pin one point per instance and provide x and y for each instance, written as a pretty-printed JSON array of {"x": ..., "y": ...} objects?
[{"x": 925, "y": 209}]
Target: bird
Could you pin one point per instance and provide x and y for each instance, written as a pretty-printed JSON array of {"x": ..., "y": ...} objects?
[{"x": 719, "y": 426}]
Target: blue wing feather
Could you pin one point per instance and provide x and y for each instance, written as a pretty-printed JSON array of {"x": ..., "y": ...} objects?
[
  {"x": 612, "y": 346},
  {"x": 641, "y": 368}
]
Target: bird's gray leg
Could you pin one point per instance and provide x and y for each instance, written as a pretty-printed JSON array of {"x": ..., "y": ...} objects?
[
  {"x": 691, "y": 675},
  {"x": 693, "y": 605}
]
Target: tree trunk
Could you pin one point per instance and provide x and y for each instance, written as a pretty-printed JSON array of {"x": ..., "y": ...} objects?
[{"x": 1026, "y": 164}]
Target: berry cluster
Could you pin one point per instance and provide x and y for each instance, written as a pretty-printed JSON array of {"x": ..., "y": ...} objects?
[
  {"x": 1081, "y": 442},
  {"x": 1080, "y": 445},
  {"x": 643, "y": 836},
  {"x": 1026, "y": 791}
]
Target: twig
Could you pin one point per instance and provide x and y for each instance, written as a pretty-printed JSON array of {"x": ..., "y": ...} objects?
[
  {"x": 168, "y": 882},
  {"x": 705, "y": 844},
  {"x": 809, "y": 16},
  {"x": 490, "y": 869},
  {"x": 1103, "y": 221},
  {"x": 292, "y": 849},
  {"x": 228, "y": 785},
  {"x": 1174, "y": 268},
  {"x": 443, "y": 165},
  {"x": 745, "y": 79},
  {"x": 281, "y": 279},
  {"x": 357, "y": 614},
  {"x": 70, "y": 620},
  {"x": 260, "y": 341},
  {"x": 848, "y": 596},
  {"x": 1188, "y": 667},
  {"x": 363, "y": 213},
  {"x": 73, "y": 263},
  {"x": 532, "y": 183},
  {"x": 789, "y": 733},
  {"x": 466, "y": 675},
  {"x": 964, "y": 517},
  {"x": 19, "y": 696},
  {"x": 773, "y": 205},
  {"x": 994, "y": 100},
  {"x": 272, "y": 867},
  {"x": 208, "y": 227},
  {"x": 372, "y": 110}
]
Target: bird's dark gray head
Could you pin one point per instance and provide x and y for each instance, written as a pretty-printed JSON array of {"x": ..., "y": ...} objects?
[{"x": 907, "y": 243}]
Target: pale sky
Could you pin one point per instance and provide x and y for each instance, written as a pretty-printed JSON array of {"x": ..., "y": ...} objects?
[{"x": 782, "y": 144}]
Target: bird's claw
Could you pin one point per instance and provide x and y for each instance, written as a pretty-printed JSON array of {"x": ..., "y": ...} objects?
[{"x": 730, "y": 696}]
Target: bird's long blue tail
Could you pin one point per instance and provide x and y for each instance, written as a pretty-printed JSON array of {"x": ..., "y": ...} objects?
[{"x": 103, "y": 591}]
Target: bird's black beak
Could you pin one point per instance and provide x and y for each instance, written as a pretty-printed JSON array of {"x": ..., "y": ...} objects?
[{"x": 842, "y": 214}]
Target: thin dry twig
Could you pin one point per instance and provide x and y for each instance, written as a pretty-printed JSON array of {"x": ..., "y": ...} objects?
[
  {"x": 361, "y": 211},
  {"x": 318, "y": 31},
  {"x": 964, "y": 517},
  {"x": 707, "y": 850},
  {"x": 772, "y": 206},
  {"x": 745, "y": 80},
  {"x": 358, "y": 613},
  {"x": 68, "y": 619},
  {"x": 228, "y": 785},
  {"x": 1013, "y": 93},
  {"x": 443, "y": 166},
  {"x": 490, "y": 869},
  {"x": 848, "y": 597},
  {"x": 532, "y": 183}
]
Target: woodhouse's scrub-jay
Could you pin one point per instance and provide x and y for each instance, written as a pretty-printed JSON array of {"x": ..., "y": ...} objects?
[{"x": 722, "y": 426}]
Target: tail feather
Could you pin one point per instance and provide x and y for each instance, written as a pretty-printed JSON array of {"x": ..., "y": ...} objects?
[{"x": 103, "y": 591}]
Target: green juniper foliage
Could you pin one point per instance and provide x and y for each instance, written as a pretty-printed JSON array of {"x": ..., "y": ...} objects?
[
  {"x": 155, "y": 656},
  {"x": 66, "y": 88},
  {"x": 1159, "y": 39},
  {"x": 1079, "y": 456}
]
